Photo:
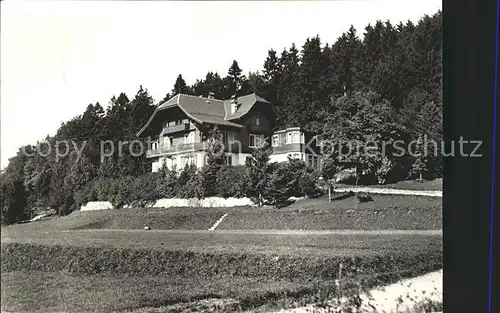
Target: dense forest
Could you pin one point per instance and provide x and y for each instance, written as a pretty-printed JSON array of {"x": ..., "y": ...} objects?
[{"x": 385, "y": 86}]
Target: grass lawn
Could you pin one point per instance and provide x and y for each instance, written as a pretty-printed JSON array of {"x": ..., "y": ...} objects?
[
  {"x": 257, "y": 260},
  {"x": 278, "y": 243},
  {"x": 183, "y": 271},
  {"x": 58, "y": 291},
  {"x": 65, "y": 292},
  {"x": 385, "y": 212}
]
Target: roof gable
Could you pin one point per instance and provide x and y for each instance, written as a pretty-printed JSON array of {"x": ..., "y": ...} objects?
[{"x": 207, "y": 110}]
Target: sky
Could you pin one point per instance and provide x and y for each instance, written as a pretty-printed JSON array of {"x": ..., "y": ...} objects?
[{"x": 59, "y": 56}]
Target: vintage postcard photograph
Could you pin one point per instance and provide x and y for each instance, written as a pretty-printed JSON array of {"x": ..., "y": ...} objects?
[{"x": 247, "y": 156}]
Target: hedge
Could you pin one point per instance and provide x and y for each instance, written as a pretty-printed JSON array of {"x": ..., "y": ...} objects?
[{"x": 108, "y": 260}]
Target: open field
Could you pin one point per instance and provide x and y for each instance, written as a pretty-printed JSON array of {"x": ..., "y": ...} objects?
[
  {"x": 222, "y": 271},
  {"x": 94, "y": 271},
  {"x": 258, "y": 259},
  {"x": 277, "y": 242}
]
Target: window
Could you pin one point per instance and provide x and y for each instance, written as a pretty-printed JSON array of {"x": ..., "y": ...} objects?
[
  {"x": 228, "y": 160},
  {"x": 276, "y": 140},
  {"x": 255, "y": 140},
  {"x": 256, "y": 120},
  {"x": 167, "y": 142},
  {"x": 154, "y": 145},
  {"x": 188, "y": 160},
  {"x": 318, "y": 141},
  {"x": 310, "y": 160},
  {"x": 189, "y": 138},
  {"x": 227, "y": 137},
  {"x": 295, "y": 137}
]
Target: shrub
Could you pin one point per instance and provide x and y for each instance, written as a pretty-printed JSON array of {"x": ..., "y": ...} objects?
[
  {"x": 110, "y": 260},
  {"x": 166, "y": 184},
  {"x": 295, "y": 169},
  {"x": 364, "y": 198},
  {"x": 279, "y": 187},
  {"x": 190, "y": 183},
  {"x": 231, "y": 182},
  {"x": 143, "y": 189},
  {"x": 307, "y": 183},
  {"x": 193, "y": 187}
]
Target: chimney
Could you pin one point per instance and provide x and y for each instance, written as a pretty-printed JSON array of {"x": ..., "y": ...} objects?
[{"x": 234, "y": 104}]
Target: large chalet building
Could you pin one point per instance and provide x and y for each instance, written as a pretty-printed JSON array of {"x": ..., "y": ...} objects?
[{"x": 178, "y": 130}]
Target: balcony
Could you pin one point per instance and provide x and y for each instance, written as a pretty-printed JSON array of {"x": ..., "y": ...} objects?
[
  {"x": 197, "y": 146},
  {"x": 176, "y": 128},
  {"x": 160, "y": 151}
]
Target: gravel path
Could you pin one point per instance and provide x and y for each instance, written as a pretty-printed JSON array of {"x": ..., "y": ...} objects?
[
  {"x": 390, "y": 191},
  {"x": 268, "y": 232}
]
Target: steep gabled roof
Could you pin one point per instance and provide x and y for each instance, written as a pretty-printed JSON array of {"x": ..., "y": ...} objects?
[{"x": 205, "y": 110}]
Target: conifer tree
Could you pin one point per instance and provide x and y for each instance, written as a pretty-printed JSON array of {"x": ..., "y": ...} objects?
[
  {"x": 215, "y": 161},
  {"x": 258, "y": 172},
  {"x": 180, "y": 86}
]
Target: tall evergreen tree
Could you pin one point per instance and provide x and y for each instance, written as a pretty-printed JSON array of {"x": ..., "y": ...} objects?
[
  {"x": 271, "y": 75},
  {"x": 258, "y": 172},
  {"x": 215, "y": 161},
  {"x": 180, "y": 86},
  {"x": 235, "y": 82},
  {"x": 290, "y": 103},
  {"x": 346, "y": 54}
]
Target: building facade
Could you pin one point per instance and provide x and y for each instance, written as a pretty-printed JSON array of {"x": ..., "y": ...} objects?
[{"x": 178, "y": 130}]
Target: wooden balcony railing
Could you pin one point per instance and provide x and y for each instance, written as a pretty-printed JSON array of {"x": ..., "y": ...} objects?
[{"x": 176, "y": 128}]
